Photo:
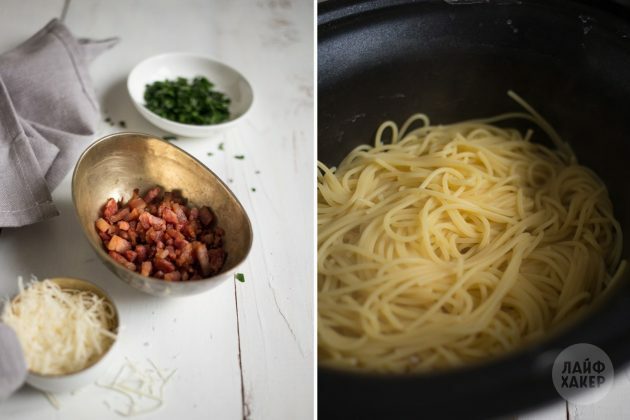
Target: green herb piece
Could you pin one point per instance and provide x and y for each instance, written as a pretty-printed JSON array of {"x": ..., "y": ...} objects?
[
  {"x": 169, "y": 137},
  {"x": 240, "y": 277},
  {"x": 210, "y": 153},
  {"x": 108, "y": 120},
  {"x": 220, "y": 146},
  {"x": 122, "y": 124},
  {"x": 256, "y": 172},
  {"x": 192, "y": 102},
  {"x": 253, "y": 189},
  {"x": 241, "y": 157},
  {"x": 230, "y": 180}
]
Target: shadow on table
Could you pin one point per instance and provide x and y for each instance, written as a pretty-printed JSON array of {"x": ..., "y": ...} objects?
[
  {"x": 124, "y": 116},
  {"x": 58, "y": 248}
]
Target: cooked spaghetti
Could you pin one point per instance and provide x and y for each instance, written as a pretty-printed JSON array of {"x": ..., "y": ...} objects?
[{"x": 449, "y": 244}]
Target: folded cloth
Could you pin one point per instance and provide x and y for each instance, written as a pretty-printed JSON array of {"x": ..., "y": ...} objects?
[{"x": 48, "y": 115}]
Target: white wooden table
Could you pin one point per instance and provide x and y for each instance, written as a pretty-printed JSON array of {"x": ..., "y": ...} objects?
[
  {"x": 243, "y": 350},
  {"x": 614, "y": 406}
]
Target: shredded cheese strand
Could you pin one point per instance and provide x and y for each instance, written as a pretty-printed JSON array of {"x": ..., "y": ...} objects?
[{"x": 144, "y": 388}]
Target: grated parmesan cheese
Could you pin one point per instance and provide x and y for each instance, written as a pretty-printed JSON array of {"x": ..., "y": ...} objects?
[
  {"x": 52, "y": 399},
  {"x": 143, "y": 388},
  {"x": 61, "y": 331}
]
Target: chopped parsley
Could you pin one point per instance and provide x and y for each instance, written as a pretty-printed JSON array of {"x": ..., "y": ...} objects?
[
  {"x": 240, "y": 277},
  {"x": 169, "y": 137},
  {"x": 188, "y": 102},
  {"x": 241, "y": 157},
  {"x": 220, "y": 146}
]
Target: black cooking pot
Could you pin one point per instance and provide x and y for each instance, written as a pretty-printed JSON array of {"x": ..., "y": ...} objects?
[{"x": 455, "y": 60}]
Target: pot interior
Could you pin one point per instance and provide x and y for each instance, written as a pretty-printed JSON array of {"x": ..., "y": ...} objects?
[{"x": 382, "y": 61}]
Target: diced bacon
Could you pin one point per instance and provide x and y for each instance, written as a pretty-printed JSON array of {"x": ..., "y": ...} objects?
[
  {"x": 162, "y": 253},
  {"x": 104, "y": 237},
  {"x": 154, "y": 236},
  {"x": 177, "y": 197},
  {"x": 174, "y": 233},
  {"x": 145, "y": 220},
  {"x": 169, "y": 215},
  {"x": 190, "y": 230},
  {"x": 118, "y": 244},
  {"x": 110, "y": 208},
  {"x": 133, "y": 236},
  {"x": 163, "y": 265},
  {"x": 171, "y": 252},
  {"x": 201, "y": 253},
  {"x": 152, "y": 194},
  {"x": 211, "y": 239},
  {"x": 133, "y": 215},
  {"x": 186, "y": 256},
  {"x": 205, "y": 216},
  {"x": 137, "y": 203},
  {"x": 145, "y": 268},
  {"x": 148, "y": 220},
  {"x": 173, "y": 276},
  {"x": 180, "y": 243},
  {"x": 207, "y": 238},
  {"x": 102, "y": 225},
  {"x": 122, "y": 260},
  {"x": 160, "y": 209},
  {"x": 120, "y": 215},
  {"x": 141, "y": 251},
  {"x": 158, "y": 238},
  {"x": 122, "y": 225},
  {"x": 179, "y": 211},
  {"x": 217, "y": 258}
]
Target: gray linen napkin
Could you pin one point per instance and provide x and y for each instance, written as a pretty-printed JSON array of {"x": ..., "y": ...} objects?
[{"x": 48, "y": 115}]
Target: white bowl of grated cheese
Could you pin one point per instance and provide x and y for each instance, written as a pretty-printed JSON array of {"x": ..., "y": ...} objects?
[{"x": 68, "y": 331}]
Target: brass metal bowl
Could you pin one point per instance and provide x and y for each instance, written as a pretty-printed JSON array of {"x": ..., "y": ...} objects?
[{"x": 116, "y": 164}]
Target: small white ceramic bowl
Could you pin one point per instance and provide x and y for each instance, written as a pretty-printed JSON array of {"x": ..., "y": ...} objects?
[
  {"x": 173, "y": 65},
  {"x": 73, "y": 381}
]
